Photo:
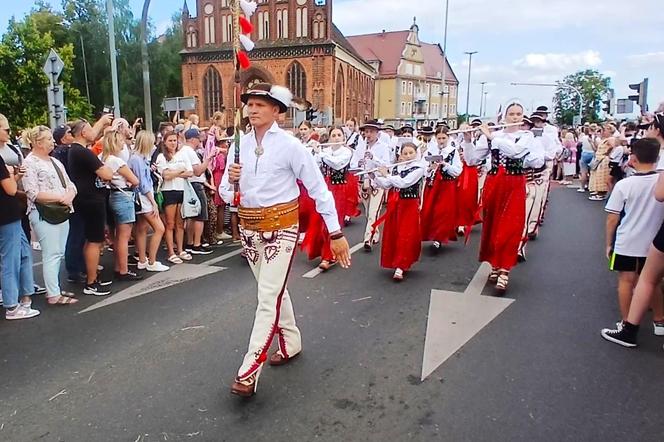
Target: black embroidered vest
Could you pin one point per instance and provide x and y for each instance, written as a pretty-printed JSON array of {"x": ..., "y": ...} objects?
[
  {"x": 513, "y": 166},
  {"x": 336, "y": 176},
  {"x": 446, "y": 176},
  {"x": 408, "y": 192}
]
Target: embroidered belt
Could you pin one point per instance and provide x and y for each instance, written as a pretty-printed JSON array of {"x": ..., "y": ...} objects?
[
  {"x": 269, "y": 219},
  {"x": 534, "y": 174}
]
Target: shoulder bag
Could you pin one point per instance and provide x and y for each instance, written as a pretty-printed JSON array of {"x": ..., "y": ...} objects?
[{"x": 54, "y": 212}]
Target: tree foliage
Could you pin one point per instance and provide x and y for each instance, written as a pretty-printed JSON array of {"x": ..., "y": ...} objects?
[
  {"x": 592, "y": 85},
  {"x": 81, "y": 28}
]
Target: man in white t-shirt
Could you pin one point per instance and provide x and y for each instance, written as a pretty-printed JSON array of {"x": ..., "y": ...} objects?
[
  {"x": 196, "y": 225},
  {"x": 634, "y": 217}
]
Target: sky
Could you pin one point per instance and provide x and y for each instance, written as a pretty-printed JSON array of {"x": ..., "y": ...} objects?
[{"x": 526, "y": 41}]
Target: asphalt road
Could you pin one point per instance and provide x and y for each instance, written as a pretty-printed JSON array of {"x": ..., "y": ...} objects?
[{"x": 159, "y": 366}]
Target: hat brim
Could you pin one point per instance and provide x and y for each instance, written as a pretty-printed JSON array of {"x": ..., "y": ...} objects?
[
  {"x": 645, "y": 125},
  {"x": 266, "y": 96},
  {"x": 371, "y": 126}
]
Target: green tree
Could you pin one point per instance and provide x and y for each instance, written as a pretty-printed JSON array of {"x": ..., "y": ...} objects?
[
  {"x": 592, "y": 85},
  {"x": 23, "y": 50}
]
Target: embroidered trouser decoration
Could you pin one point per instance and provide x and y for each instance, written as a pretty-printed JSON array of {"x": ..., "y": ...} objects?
[
  {"x": 270, "y": 256},
  {"x": 545, "y": 188},
  {"x": 532, "y": 210},
  {"x": 372, "y": 204}
]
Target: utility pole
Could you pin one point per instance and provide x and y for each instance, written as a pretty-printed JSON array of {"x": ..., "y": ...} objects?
[
  {"x": 113, "y": 54},
  {"x": 482, "y": 98},
  {"x": 470, "y": 64},
  {"x": 579, "y": 118},
  {"x": 145, "y": 62},
  {"x": 85, "y": 68},
  {"x": 443, "y": 80},
  {"x": 484, "y": 109}
]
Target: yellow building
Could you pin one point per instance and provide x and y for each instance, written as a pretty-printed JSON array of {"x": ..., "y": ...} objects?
[{"x": 409, "y": 86}]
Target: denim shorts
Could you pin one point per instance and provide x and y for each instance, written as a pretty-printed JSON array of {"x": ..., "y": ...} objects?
[
  {"x": 586, "y": 158},
  {"x": 122, "y": 206}
]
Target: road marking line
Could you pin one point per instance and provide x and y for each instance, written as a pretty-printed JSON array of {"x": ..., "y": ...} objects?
[
  {"x": 223, "y": 257},
  {"x": 316, "y": 271}
]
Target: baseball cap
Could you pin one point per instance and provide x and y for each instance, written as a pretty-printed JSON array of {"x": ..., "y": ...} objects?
[
  {"x": 59, "y": 132},
  {"x": 192, "y": 133}
]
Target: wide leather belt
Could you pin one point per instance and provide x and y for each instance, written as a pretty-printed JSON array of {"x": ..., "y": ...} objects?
[{"x": 269, "y": 219}]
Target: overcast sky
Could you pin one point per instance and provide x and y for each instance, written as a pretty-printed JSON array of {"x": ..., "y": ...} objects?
[{"x": 517, "y": 40}]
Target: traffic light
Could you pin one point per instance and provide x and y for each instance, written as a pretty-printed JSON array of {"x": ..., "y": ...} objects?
[
  {"x": 641, "y": 96},
  {"x": 606, "y": 106},
  {"x": 312, "y": 114}
]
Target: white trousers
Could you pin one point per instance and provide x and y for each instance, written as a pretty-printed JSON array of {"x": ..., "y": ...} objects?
[
  {"x": 372, "y": 201},
  {"x": 270, "y": 255}
]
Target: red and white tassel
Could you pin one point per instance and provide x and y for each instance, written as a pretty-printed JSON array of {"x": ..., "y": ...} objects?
[
  {"x": 247, "y": 43},
  {"x": 248, "y": 7},
  {"x": 243, "y": 60}
]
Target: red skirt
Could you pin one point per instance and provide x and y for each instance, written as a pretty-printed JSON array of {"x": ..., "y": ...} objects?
[
  {"x": 439, "y": 210},
  {"x": 504, "y": 209},
  {"x": 307, "y": 208},
  {"x": 352, "y": 187},
  {"x": 468, "y": 213},
  {"x": 401, "y": 238}
]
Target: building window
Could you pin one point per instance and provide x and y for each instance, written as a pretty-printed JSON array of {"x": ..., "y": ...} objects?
[
  {"x": 263, "y": 26},
  {"x": 403, "y": 88},
  {"x": 434, "y": 109},
  {"x": 224, "y": 3},
  {"x": 444, "y": 109},
  {"x": 229, "y": 27},
  {"x": 296, "y": 80},
  {"x": 403, "y": 108},
  {"x": 192, "y": 37},
  {"x": 282, "y": 23},
  {"x": 212, "y": 92},
  {"x": 208, "y": 24},
  {"x": 225, "y": 34},
  {"x": 301, "y": 25},
  {"x": 319, "y": 27},
  {"x": 410, "y": 108},
  {"x": 410, "y": 88},
  {"x": 446, "y": 89},
  {"x": 453, "y": 91},
  {"x": 339, "y": 95},
  {"x": 453, "y": 109}
]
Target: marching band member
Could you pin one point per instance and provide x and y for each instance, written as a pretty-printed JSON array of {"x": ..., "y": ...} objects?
[
  {"x": 392, "y": 142},
  {"x": 401, "y": 238},
  {"x": 334, "y": 162},
  {"x": 504, "y": 196},
  {"x": 440, "y": 199},
  {"x": 553, "y": 148},
  {"x": 271, "y": 162},
  {"x": 468, "y": 212},
  {"x": 375, "y": 154},
  {"x": 309, "y": 138}
]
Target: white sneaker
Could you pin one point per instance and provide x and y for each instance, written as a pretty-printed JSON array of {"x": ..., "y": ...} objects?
[
  {"x": 581, "y": 190},
  {"x": 142, "y": 265},
  {"x": 224, "y": 236},
  {"x": 21, "y": 312},
  {"x": 658, "y": 328},
  {"x": 436, "y": 245},
  {"x": 156, "y": 267}
]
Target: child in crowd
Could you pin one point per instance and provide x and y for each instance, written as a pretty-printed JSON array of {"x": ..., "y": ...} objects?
[{"x": 634, "y": 217}]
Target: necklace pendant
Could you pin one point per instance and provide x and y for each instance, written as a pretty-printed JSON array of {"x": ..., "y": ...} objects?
[{"x": 259, "y": 150}]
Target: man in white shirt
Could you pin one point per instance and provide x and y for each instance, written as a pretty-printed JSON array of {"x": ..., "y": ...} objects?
[
  {"x": 270, "y": 163},
  {"x": 196, "y": 225},
  {"x": 375, "y": 154}
]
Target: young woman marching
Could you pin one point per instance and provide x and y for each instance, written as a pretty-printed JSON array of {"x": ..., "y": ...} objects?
[
  {"x": 307, "y": 206},
  {"x": 504, "y": 197},
  {"x": 334, "y": 162},
  {"x": 440, "y": 202},
  {"x": 401, "y": 238},
  {"x": 468, "y": 208}
]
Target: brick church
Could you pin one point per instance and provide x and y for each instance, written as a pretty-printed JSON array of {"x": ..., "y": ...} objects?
[{"x": 297, "y": 45}]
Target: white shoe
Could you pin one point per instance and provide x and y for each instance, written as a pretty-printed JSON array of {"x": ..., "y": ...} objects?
[
  {"x": 156, "y": 267},
  {"x": 658, "y": 328},
  {"x": 142, "y": 265},
  {"x": 436, "y": 245},
  {"x": 173, "y": 259},
  {"x": 300, "y": 239},
  {"x": 21, "y": 312},
  {"x": 185, "y": 256},
  {"x": 398, "y": 275},
  {"x": 36, "y": 246},
  {"x": 581, "y": 190},
  {"x": 224, "y": 236}
]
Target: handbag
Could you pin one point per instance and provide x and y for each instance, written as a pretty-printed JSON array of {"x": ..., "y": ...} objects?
[
  {"x": 54, "y": 213},
  {"x": 138, "y": 204},
  {"x": 191, "y": 205},
  {"x": 594, "y": 164}
]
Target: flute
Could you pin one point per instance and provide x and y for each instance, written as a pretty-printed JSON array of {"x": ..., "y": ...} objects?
[
  {"x": 389, "y": 166},
  {"x": 473, "y": 129}
]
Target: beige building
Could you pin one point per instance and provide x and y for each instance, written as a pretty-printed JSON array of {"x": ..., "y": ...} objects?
[{"x": 409, "y": 86}]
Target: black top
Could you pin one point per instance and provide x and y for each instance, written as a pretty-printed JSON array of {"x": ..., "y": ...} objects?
[
  {"x": 83, "y": 165},
  {"x": 11, "y": 210},
  {"x": 61, "y": 153}
]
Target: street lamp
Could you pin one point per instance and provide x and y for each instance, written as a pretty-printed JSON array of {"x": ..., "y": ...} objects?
[
  {"x": 470, "y": 63},
  {"x": 114, "y": 65},
  {"x": 145, "y": 62},
  {"x": 561, "y": 85},
  {"x": 482, "y": 98},
  {"x": 443, "y": 81},
  {"x": 484, "y": 110}
]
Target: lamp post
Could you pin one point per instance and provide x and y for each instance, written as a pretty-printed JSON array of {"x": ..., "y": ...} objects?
[
  {"x": 470, "y": 64},
  {"x": 145, "y": 62},
  {"x": 113, "y": 55},
  {"x": 561, "y": 85},
  {"x": 484, "y": 109},
  {"x": 442, "y": 80},
  {"x": 482, "y": 98}
]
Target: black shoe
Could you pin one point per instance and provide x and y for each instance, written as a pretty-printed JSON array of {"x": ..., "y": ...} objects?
[
  {"x": 189, "y": 248},
  {"x": 96, "y": 290},
  {"x": 129, "y": 276},
  {"x": 200, "y": 250},
  {"x": 521, "y": 257},
  {"x": 103, "y": 283},
  {"x": 80, "y": 279},
  {"x": 624, "y": 335},
  {"x": 367, "y": 247},
  {"x": 39, "y": 290}
]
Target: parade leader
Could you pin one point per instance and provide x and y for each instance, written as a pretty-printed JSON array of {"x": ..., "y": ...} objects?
[{"x": 271, "y": 160}]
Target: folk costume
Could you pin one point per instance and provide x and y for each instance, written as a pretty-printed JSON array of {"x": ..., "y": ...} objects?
[
  {"x": 401, "y": 238},
  {"x": 334, "y": 163},
  {"x": 374, "y": 155},
  {"x": 269, "y": 229},
  {"x": 503, "y": 199},
  {"x": 468, "y": 198},
  {"x": 440, "y": 201}
]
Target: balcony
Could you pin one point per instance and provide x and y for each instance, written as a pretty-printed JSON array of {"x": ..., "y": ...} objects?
[{"x": 421, "y": 97}]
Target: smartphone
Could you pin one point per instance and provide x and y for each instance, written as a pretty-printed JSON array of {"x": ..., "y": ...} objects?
[{"x": 108, "y": 109}]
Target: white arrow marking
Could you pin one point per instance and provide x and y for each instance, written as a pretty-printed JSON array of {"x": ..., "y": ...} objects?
[
  {"x": 455, "y": 318},
  {"x": 315, "y": 272},
  {"x": 176, "y": 275}
]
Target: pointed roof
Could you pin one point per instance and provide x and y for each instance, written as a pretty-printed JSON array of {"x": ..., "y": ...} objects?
[
  {"x": 387, "y": 49},
  {"x": 185, "y": 10}
]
